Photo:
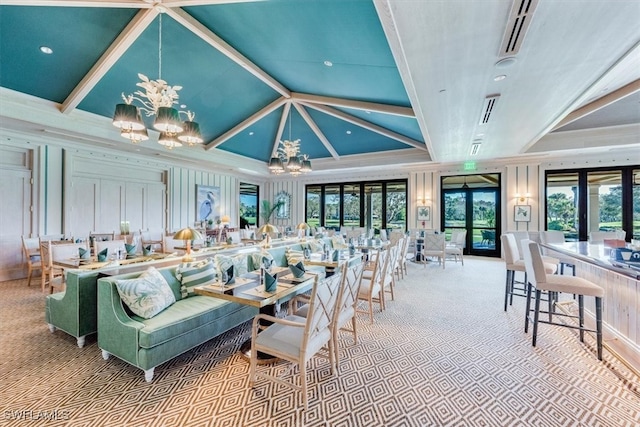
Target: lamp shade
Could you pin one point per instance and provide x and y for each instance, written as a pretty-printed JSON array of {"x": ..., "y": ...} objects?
[
  {"x": 293, "y": 163},
  {"x": 169, "y": 140},
  {"x": 302, "y": 226},
  {"x": 191, "y": 133},
  {"x": 127, "y": 117},
  {"x": 268, "y": 228},
  {"x": 187, "y": 233},
  {"x": 306, "y": 166},
  {"x": 225, "y": 219},
  {"x": 168, "y": 120},
  {"x": 275, "y": 165}
]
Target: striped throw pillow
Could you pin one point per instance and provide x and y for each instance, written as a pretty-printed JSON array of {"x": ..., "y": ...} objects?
[
  {"x": 195, "y": 273},
  {"x": 294, "y": 257}
]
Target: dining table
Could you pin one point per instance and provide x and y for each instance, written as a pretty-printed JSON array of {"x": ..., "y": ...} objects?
[{"x": 248, "y": 289}]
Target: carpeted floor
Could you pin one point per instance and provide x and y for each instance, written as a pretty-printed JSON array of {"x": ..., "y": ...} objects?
[{"x": 443, "y": 354}]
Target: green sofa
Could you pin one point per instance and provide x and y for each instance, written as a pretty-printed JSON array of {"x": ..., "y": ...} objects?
[{"x": 189, "y": 322}]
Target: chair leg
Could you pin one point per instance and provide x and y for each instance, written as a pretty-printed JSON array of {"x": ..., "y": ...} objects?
[
  {"x": 536, "y": 313},
  {"x": 528, "y": 308},
  {"x": 303, "y": 384},
  {"x": 599, "y": 327},
  {"x": 507, "y": 287},
  {"x": 29, "y": 276},
  {"x": 581, "y": 316}
]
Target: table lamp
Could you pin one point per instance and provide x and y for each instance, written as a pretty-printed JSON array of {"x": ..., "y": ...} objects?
[
  {"x": 187, "y": 234},
  {"x": 302, "y": 229},
  {"x": 225, "y": 220},
  {"x": 267, "y": 229}
]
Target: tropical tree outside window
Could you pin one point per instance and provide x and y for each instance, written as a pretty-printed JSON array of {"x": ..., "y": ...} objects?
[{"x": 248, "y": 204}]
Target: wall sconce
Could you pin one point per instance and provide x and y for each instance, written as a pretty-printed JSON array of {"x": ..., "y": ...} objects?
[
  {"x": 423, "y": 201},
  {"x": 522, "y": 198}
]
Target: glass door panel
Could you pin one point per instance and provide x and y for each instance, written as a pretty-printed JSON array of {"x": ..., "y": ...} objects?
[
  {"x": 373, "y": 206},
  {"x": 604, "y": 202},
  {"x": 483, "y": 223},
  {"x": 332, "y": 207},
  {"x": 396, "y": 207},
  {"x": 351, "y": 205},
  {"x": 636, "y": 203},
  {"x": 313, "y": 205},
  {"x": 562, "y": 204}
]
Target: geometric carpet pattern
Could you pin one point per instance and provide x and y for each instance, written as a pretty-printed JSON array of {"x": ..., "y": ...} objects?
[{"x": 444, "y": 353}]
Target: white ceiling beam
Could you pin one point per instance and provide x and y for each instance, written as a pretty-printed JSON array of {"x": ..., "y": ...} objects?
[
  {"x": 183, "y": 3},
  {"x": 600, "y": 103},
  {"x": 356, "y": 105},
  {"x": 367, "y": 125},
  {"x": 283, "y": 121},
  {"x": 226, "y": 49},
  {"x": 312, "y": 124},
  {"x": 124, "y": 40},
  {"x": 137, "y": 4},
  {"x": 245, "y": 123}
]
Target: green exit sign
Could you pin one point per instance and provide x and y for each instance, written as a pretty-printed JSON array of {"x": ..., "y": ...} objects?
[{"x": 469, "y": 166}]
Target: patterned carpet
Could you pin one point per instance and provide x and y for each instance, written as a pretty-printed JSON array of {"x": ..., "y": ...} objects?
[{"x": 443, "y": 354}]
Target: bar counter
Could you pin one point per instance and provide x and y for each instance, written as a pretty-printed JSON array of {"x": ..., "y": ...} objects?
[{"x": 621, "y": 306}]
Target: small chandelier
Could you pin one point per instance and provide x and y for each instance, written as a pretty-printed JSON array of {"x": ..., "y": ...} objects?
[
  {"x": 288, "y": 157},
  {"x": 157, "y": 99}
]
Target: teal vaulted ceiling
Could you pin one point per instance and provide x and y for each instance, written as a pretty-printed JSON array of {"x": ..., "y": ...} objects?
[{"x": 359, "y": 82}]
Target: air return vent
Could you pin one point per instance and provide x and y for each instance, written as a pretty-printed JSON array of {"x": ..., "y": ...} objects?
[
  {"x": 488, "y": 107},
  {"x": 475, "y": 147},
  {"x": 517, "y": 26}
]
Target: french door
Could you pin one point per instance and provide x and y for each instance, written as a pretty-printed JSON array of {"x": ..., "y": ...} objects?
[{"x": 475, "y": 207}]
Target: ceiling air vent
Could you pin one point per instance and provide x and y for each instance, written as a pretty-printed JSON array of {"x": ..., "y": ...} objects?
[
  {"x": 487, "y": 108},
  {"x": 517, "y": 26},
  {"x": 475, "y": 147}
]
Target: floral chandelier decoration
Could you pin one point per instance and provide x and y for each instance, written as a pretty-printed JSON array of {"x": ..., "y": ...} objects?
[
  {"x": 289, "y": 158},
  {"x": 157, "y": 99}
]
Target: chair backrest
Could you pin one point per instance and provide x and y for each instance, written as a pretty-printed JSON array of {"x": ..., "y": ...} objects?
[
  {"x": 383, "y": 235},
  {"x": 30, "y": 247},
  {"x": 600, "y": 236},
  {"x": 510, "y": 247},
  {"x": 379, "y": 257},
  {"x": 102, "y": 236},
  {"x": 348, "y": 296},
  {"x": 390, "y": 264},
  {"x": 459, "y": 238},
  {"x": 151, "y": 236},
  {"x": 322, "y": 304},
  {"x": 50, "y": 237},
  {"x": 234, "y": 235},
  {"x": 112, "y": 246},
  {"x": 68, "y": 251},
  {"x": 534, "y": 265},
  {"x": 552, "y": 236},
  {"x": 519, "y": 237},
  {"x": 434, "y": 242},
  {"x": 45, "y": 254}
]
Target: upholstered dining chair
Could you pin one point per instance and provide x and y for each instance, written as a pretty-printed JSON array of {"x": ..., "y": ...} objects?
[
  {"x": 540, "y": 281},
  {"x": 515, "y": 263},
  {"x": 456, "y": 245},
  {"x": 388, "y": 279},
  {"x": 371, "y": 283},
  {"x": 31, "y": 251},
  {"x": 596, "y": 237},
  {"x": 434, "y": 246},
  {"x": 297, "y": 339},
  {"x": 556, "y": 236},
  {"x": 405, "y": 255}
]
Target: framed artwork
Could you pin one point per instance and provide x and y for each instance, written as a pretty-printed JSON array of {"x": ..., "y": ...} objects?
[
  {"x": 284, "y": 211},
  {"x": 207, "y": 203},
  {"x": 523, "y": 213},
  {"x": 424, "y": 213}
]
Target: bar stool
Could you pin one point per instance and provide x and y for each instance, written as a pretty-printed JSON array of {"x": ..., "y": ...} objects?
[
  {"x": 515, "y": 263},
  {"x": 554, "y": 283}
]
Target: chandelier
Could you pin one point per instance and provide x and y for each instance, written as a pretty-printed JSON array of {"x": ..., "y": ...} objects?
[
  {"x": 157, "y": 99},
  {"x": 288, "y": 157}
]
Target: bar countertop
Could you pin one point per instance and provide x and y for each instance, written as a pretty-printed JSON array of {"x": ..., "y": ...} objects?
[{"x": 596, "y": 254}]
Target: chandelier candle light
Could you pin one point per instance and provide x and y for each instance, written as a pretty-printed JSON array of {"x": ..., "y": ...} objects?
[{"x": 157, "y": 99}]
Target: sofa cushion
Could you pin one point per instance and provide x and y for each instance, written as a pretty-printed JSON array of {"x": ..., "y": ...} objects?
[
  {"x": 338, "y": 242},
  {"x": 315, "y": 246},
  {"x": 294, "y": 257},
  {"x": 239, "y": 263},
  {"x": 183, "y": 317},
  {"x": 146, "y": 295},
  {"x": 195, "y": 273},
  {"x": 257, "y": 259}
]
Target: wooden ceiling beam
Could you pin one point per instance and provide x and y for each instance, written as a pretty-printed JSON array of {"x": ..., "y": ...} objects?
[
  {"x": 356, "y": 105},
  {"x": 245, "y": 123},
  {"x": 131, "y": 4},
  {"x": 226, "y": 49},
  {"x": 124, "y": 40},
  {"x": 600, "y": 103},
  {"x": 367, "y": 125},
  {"x": 283, "y": 121},
  {"x": 312, "y": 124}
]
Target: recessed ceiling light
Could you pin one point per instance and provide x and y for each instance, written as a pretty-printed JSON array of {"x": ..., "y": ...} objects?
[
  {"x": 506, "y": 62},
  {"x": 328, "y": 63},
  {"x": 480, "y": 135},
  {"x": 367, "y": 111},
  {"x": 251, "y": 133},
  {"x": 46, "y": 49},
  {"x": 348, "y": 132},
  {"x": 500, "y": 77},
  {"x": 183, "y": 105}
]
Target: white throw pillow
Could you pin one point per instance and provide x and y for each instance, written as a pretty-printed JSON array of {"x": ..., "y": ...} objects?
[{"x": 146, "y": 295}]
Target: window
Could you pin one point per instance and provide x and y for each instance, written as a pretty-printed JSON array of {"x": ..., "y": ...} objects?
[
  {"x": 248, "y": 204},
  {"x": 380, "y": 204},
  {"x": 600, "y": 199}
]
